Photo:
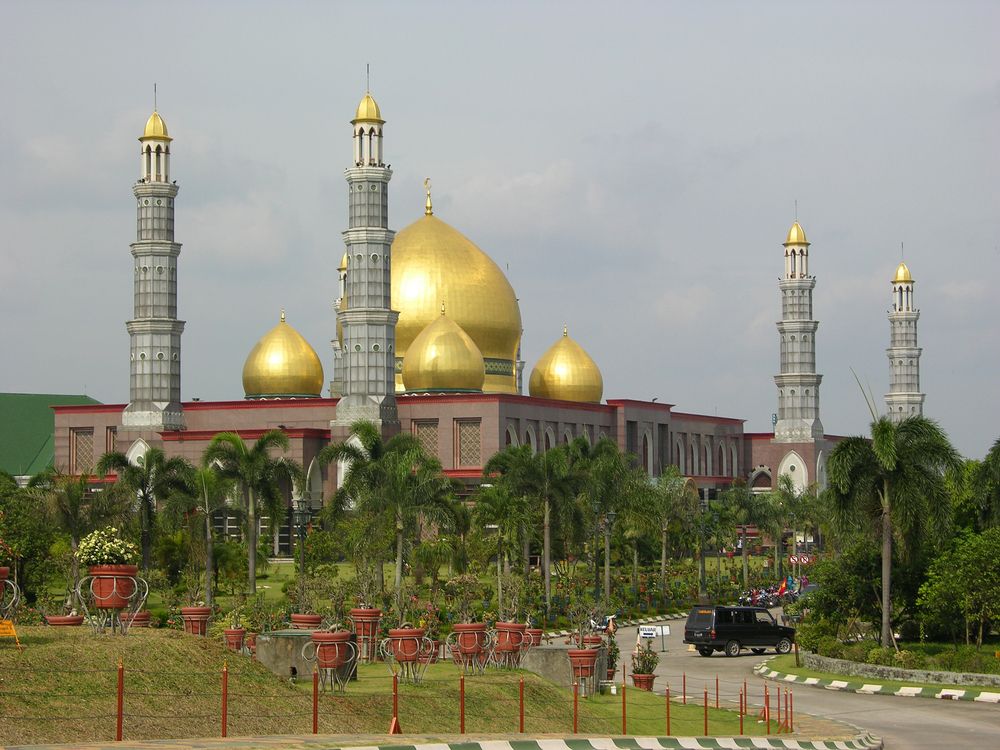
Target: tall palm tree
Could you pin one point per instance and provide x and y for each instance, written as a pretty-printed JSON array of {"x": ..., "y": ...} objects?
[
  {"x": 78, "y": 509},
  {"x": 505, "y": 509},
  {"x": 673, "y": 502},
  {"x": 150, "y": 480},
  {"x": 256, "y": 474},
  {"x": 986, "y": 487},
  {"x": 750, "y": 509},
  {"x": 546, "y": 477},
  {"x": 896, "y": 480},
  {"x": 394, "y": 477}
]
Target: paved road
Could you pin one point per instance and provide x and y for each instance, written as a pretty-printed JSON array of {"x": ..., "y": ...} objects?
[{"x": 901, "y": 722}]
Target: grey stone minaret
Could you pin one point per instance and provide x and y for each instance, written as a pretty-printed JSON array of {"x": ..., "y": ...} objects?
[
  {"x": 798, "y": 383},
  {"x": 368, "y": 322},
  {"x": 155, "y": 331},
  {"x": 904, "y": 398}
]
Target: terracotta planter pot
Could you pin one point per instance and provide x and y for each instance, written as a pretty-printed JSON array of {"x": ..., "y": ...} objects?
[
  {"x": 366, "y": 622},
  {"x": 643, "y": 681},
  {"x": 234, "y": 638},
  {"x": 510, "y": 636},
  {"x": 534, "y": 636},
  {"x": 251, "y": 641},
  {"x": 406, "y": 643},
  {"x": 470, "y": 638},
  {"x": 196, "y": 619},
  {"x": 582, "y": 660},
  {"x": 332, "y": 649},
  {"x": 307, "y": 621},
  {"x": 64, "y": 621},
  {"x": 4, "y": 572},
  {"x": 611, "y": 673},
  {"x": 592, "y": 641},
  {"x": 141, "y": 619},
  {"x": 113, "y": 585}
]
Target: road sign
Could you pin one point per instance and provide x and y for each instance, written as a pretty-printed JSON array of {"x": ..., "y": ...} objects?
[
  {"x": 805, "y": 559},
  {"x": 649, "y": 632},
  {"x": 793, "y": 559}
]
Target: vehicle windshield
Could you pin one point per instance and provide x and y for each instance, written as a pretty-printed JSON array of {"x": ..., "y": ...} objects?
[{"x": 764, "y": 618}]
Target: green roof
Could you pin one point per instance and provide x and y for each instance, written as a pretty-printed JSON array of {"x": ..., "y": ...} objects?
[{"x": 27, "y": 425}]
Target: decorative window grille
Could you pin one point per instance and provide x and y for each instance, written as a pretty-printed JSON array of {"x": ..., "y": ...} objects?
[
  {"x": 426, "y": 434},
  {"x": 468, "y": 440},
  {"x": 81, "y": 456}
]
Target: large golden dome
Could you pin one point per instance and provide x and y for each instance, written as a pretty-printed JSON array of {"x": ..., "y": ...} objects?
[
  {"x": 433, "y": 263},
  {"x": 368, "y": 111},
  {"x": 796, "y": 235},
  {"x": 156, "y": 128},
  {"x": 567, "y": 373},
  {"x": 282, "y": 365},
  {"x": 443, "y": 358},
  {"x": 902, "y": 275}
]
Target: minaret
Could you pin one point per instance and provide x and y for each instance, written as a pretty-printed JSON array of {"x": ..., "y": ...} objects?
[
  {"x": 368, "y": 322},
  {"x": 798, "y": 383},
  {"x": 155, "y": 331},
  {"x": 904, "y": 398}
]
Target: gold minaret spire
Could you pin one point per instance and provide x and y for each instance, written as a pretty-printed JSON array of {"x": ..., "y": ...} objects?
[{"x": 428, "y": 208}]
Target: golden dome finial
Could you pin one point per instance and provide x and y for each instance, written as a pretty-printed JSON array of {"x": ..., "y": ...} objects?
[
  {"x": 565, "y": 330},
  {"x": 428, "y": 208},
  {"x": 282, "y": 315},
  {"x": 442, "y": 307}
]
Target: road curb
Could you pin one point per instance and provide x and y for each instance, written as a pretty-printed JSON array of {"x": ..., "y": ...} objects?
[
  {"x": 860, "y": 742},
  {"x": 872, "y": 688}
]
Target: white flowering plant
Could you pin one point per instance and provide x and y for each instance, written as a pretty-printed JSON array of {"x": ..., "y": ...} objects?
[{"x": 106, "y": 547}]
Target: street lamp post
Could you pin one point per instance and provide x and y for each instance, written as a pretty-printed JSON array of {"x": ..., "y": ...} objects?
[
  {"x": 301, "y": 521},
  {"x": 609, "y": 519}
]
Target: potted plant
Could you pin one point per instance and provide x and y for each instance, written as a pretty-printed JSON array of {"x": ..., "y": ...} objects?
[
  {"x": 109, "y": 559},
  {"x": 430, "y": 621},
  {"x": 235, "y": 633},
  {"x": 510, "y": 634},
  {"x": 366, "y": 616},
  {"x": 614, "y": 653},
  {"x": 195, "y": 615},
  {"x": 644, "y": 661},
  {"x": 582, "y": 659},
  {"x": 333, "y": 647},
  {"x": 406, "y": 641},
  {"x": 468, "y": 639}
]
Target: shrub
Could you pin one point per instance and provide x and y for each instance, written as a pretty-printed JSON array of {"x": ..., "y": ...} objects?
[
  {"x": 828, "y": 645},
  {"x": 644, "y": 661},
  {"x": 856, "y": 651},
  {"x": 907, "y": 659},
  {"x": 880, "y": 655},
  {"x": 809, "y": 634},
  {"x": 106, "y": 547}
]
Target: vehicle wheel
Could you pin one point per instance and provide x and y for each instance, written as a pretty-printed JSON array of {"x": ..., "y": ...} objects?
[
  {"x": 758, "y": 651},
  {"x": 733, "y": 648},
  {"x": 783, "y": 646},
  {"x": 704, "y": 651}
]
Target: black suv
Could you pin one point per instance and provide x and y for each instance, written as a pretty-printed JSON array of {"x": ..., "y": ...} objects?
[{"x": 731, "y": 628}]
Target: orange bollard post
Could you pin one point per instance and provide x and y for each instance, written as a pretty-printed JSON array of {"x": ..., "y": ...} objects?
[
  {"x": 791, "y": 711},
  {"x": 225, "y": 698},
  {"x": 668, "y": 710},
  {"x": 746, "y": 695},
  {"x": 624, "y": 724},
  {"x": 706, "y": 711},
  {"x": 394, "y": 727},
  {"x": 779, "y": 709},
  {"x": 716, "y": 691},
  {"x": 120, "y": 717},
  {"x": 741, "y": 712},
  {"x": 767, "y": 708},
  {"x": 315, "y": 701},
  {"x": 684, "y": 688},
  {"x": 461, "y": 704},
  {"x": 520, "y": 702},
  {"x": 576, "y": 706}
]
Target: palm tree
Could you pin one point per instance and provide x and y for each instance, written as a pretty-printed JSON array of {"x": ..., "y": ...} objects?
[
  {"x": 79, "y": 509},
  {"x": 986, "y": 487},
  {"x": 546, "y": 477},
  {"x": 670, "y": 502},
  {"x": 256, "y": 474},
  {"x": 150, "y": 480},
  {"x": 394, "y": 477},
  {"x": 895, "y": 480},
  {"x": 499, "y": 506},
  {"x": 750, "y": 509}
]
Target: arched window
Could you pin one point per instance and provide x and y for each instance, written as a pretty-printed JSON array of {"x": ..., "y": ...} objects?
[
  {"x": 511, "y": 436},
  {"x": 529, "y": 438},
  {"x": 646, "y": 457}
]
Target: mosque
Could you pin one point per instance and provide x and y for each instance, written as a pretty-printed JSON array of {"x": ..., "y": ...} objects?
[{"x": 427, "y": 341}]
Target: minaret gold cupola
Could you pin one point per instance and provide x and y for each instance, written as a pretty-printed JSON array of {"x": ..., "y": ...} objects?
[
  {"x": 282, "y": 365},
  {"x": 443, "y": 358},
  {"x": 796, "y": 253},
  {"x": 567, "y": 373},
  {"x": 368, "y": 124},
  {"x": 155, "y": 150}
]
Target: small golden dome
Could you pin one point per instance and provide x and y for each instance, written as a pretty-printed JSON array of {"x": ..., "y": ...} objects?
[
  {"x": 282, "y": 365},
  {"x": 368, "y": 111},
  {"x": 902, "y": 275},
  {"x": 443, "y": 358},
  {"x": 432, "y": 261},
  {"x": 796, "y": 235},
  {"x": 567, "y": 373},
  {"x": 156, "y": 128}
]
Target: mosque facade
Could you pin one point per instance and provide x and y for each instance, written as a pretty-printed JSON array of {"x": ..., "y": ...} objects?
[{"x": 427, "y": 341}]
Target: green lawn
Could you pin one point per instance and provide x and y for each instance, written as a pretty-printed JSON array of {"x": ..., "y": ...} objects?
[{"x": 786, "y": 664}]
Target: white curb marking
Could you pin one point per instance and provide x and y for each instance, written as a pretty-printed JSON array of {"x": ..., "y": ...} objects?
[
  {"x": 870, "y": 689},
  {"x": 953, "y": 694},
  {"x": 909, "y": 692},
  {"x": 812, "y": 681},
  {"x": 985, "y": 697}
]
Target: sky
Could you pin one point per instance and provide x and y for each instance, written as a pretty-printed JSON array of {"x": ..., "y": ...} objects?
[{"x": 633, "y": 166}]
